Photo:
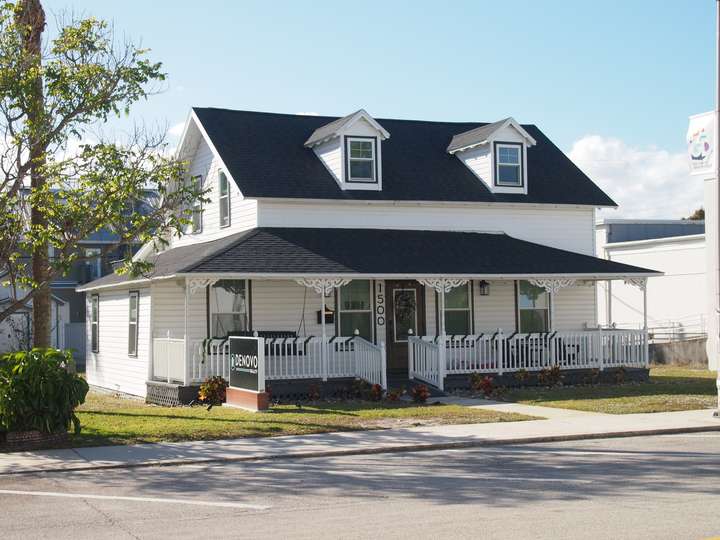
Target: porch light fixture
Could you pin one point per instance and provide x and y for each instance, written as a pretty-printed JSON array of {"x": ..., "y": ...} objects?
[{"x": 483, "y": 288}]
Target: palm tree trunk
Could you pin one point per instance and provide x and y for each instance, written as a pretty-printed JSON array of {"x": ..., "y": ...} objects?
[{"x": 31, "y": 18}]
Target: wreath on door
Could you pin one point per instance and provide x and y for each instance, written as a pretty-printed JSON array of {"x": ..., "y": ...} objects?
[{"x": 404, "y": 306}]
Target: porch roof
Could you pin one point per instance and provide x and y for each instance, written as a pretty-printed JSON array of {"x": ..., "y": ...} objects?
[{"x": 301, "y": 252}]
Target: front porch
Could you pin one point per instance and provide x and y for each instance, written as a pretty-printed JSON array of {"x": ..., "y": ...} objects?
[
  {"x": 395, "y": 329},
  {"x": 338, "y": 304}
]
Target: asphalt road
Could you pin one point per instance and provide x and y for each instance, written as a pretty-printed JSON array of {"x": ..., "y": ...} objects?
[{"x": 649, "y": 487}]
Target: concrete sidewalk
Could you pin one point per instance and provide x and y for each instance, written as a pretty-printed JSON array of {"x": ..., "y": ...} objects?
[{"x": 559, "y": 424}]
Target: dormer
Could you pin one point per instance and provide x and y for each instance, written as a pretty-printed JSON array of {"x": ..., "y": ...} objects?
[
  {"x": 351, "y": 149},
  {"x": 497, "y": 154}
]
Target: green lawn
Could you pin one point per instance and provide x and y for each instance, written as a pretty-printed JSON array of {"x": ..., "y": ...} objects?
[
  {"x": 669, "y": 389},
  {"x": 110, "y": 420}
]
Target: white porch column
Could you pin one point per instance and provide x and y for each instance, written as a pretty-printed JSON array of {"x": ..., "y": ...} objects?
[
  {"x": 192, "y": 286},
  {"x": 641, "y": 283},
  {"x": 442, "y": 286},
  {"x": 552, "y": 286},
  {"x": 323, "y": 286}
]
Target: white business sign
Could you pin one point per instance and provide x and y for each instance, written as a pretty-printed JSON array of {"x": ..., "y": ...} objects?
[{"x": 701, "y": 144}]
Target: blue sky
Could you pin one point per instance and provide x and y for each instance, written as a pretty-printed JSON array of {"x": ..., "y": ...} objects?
[{"x": 628, "y": 72}]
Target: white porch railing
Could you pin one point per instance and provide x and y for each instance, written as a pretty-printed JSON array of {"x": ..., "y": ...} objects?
[
  {"x": 299, "y": 358},
  {"x": 370, "y": 362},
  {"x": 424, "y": 361},
  {"x": 497, "y": 353},
  {"x": 168, "y": 362}
]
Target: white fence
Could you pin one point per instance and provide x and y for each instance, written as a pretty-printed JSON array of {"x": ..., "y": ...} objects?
[
  {"x": 299, "y": 358},
  {"x": 497, "y": 353},
  {"x": 168, "y": 362}
]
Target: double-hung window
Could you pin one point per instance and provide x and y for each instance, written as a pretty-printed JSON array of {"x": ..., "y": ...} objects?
[
  {"x": 197, "y": 210},
  {"x": 355, "y": 309},
  {"x": 229, "y": 311},
  {"x": 533, "y": 308},
  {"x": 95, "y": 323},
  {"x": 361, "y": 160},
  {"x": 224, "y": 200},
  {"x": 458, "y": 312},
  {"x": 508, "y": 165},
  {"x": 133, "y": 323}
]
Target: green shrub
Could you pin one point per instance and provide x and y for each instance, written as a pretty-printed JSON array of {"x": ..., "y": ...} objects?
[
  {"x": 213, "y": 391},
  {"x": 39, "y": 390}
]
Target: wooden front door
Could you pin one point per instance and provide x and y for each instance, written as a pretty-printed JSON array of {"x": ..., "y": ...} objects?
[{"x": 406, "y": 311}]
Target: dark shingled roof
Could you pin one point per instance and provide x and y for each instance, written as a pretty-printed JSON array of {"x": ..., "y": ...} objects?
[
  {"x": 266, "y": 156},
  {"x": 377, "y": 252},
  {"x": 461, "y": 140},
  {"x": 329, "y": 129}
]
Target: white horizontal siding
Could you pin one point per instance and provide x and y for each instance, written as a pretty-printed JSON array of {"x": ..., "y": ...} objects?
[
  {"x": 169, "y": 311},
  {"x": 112, "y": 367},
  {"x": 565, "y": 228},
  {"x": 497, "y": 309},
  {"x": 287, "y": 306},
  {"x": 330, "y": 154},
  {"x": 479, "y": 161},
  {"x": 243, "y": 212},
  {"x": 575, "y": 308}
]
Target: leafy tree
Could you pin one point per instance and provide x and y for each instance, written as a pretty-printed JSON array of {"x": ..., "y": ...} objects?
[
  {"x": 697, "y": 214},
  {"x": 54, "y": 92}
]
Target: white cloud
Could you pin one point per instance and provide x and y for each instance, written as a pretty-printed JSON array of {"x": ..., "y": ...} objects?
[
  {"x": 645, "y": 182},
  {"x": 176, "y": 130},
  {"x": 307, "y": 113}
]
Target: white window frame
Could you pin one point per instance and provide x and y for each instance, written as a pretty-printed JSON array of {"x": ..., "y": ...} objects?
[
  {"x": 519, "y": 309},
  {"x": 350, "y": 159},
  {"x": 95, "y": 323},
  {"x": 133, "y": 345},
  {"x": 223, "y": 199},
  {"x": 248, "y": 308},
  {"x": 197, "y": 207},
  {"x": 469, "y": 309},
  {"x": 521, "y": 172},
  {"x": 369, "y": 310}
]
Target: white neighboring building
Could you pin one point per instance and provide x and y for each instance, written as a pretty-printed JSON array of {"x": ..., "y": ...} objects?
[{"x": 676, "y": 300}]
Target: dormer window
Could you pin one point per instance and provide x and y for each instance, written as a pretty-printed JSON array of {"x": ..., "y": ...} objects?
[
  {"x": 351, "y": 150},
  {"x": 496, "y": 154},
  {"x": 361, "y": 165},
  {"x": 508, "y": 164}
]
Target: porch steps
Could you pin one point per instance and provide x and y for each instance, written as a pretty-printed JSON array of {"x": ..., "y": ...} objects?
[{"x": 395, "y": 381}]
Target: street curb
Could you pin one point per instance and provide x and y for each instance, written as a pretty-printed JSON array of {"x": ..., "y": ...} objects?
[{"x": 385, "y": 450}]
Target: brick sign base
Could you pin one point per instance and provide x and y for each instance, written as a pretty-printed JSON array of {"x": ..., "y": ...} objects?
[{"x": 247, "y": 399}]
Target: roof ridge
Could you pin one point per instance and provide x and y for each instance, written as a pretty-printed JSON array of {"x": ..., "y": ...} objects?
[{"x": 332, "y": 118}]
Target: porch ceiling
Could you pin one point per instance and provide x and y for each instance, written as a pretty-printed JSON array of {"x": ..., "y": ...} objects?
[{"x": 277, "y": 252}]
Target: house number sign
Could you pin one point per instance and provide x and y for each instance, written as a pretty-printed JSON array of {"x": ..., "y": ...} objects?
[{"x": 379, "y": 304}]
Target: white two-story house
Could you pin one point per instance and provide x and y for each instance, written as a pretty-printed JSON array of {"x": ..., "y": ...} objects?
[{"x": 363, "y": 247}]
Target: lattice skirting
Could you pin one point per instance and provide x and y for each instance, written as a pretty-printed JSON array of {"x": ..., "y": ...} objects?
[{"x": 170, "y": 395}]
